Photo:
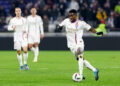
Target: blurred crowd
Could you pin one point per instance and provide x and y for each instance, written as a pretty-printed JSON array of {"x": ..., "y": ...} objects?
[{"x": 52, "y": 12}]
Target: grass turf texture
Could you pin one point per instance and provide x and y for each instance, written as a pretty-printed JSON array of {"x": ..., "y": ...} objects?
[{"x": 55, "y": 68}]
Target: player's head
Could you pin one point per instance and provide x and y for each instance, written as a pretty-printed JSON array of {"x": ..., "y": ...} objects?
[
  {"x": 18, "y": 11},
  {"x": 72, "y": 15},
  {"x": 33, "y": 11}
]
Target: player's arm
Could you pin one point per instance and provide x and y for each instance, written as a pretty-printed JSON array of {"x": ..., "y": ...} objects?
[
  {"x": 91, "y": 29},
  {"x": 61, "y": 25},
  {"x": 94, "y": 31},
  {"x": 11, "y": 26},
  {"x": 59, "y": 28},
  {"x": 41, "y": 28}
]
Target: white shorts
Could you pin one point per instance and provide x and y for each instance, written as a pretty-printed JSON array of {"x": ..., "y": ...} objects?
[
  {"x": 74, "y": 49},
  {"x": 33, "y": 39},
  {"x": 20, "y": 44}
]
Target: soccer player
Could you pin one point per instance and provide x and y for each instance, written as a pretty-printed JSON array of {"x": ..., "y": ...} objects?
[
  {"x": 35, "y": 32},
  {"x": 18, "y": 25},
  {"x": 74, "y": 32}
]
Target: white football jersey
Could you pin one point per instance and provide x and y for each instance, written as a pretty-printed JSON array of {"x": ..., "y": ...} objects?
[
  {"x": 35, "y": 25},
  {"x": 74, "y": 31},
  {"x": 21, "y": 26}
]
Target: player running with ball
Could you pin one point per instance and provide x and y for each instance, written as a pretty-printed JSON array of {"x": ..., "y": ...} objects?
[
  {"x": 74, "y": 32},
  {"x": 35, "y": 32},
  {"x": 18, "y": 25}
]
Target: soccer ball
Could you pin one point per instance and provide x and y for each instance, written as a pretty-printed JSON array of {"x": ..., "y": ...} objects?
[{"x": 76, "y": 77}]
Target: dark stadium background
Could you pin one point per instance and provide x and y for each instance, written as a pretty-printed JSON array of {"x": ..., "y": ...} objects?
[{"x": 54, "y": 11}]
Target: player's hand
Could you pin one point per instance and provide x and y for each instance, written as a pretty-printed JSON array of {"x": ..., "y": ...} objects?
[
  {"x": 59, "y": 28},
  {"x": 42, "y": 36},
  {"x": 99, "y": 33},
  {"x": 14, "y": 27}
]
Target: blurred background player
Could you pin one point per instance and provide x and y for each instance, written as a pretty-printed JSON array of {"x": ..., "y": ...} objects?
[
  {"x": 74, "y": 28},
  {"x": 18, "y": 25},
  {"x": 35, "y": 31}
]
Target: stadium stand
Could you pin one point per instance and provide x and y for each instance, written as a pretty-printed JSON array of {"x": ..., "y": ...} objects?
[{"x": 54, "y": 11}]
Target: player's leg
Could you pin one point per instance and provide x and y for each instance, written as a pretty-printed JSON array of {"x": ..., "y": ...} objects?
[
  {"x": 19, "y": 56},
  {"x": 17, "y": 46},
  {"x": 74, "y": 51},
  {"x": 31, "y": 47},
  {"x": 95, "y": 70},
  {"x": 36, "y": 51},
  {"x": 80, "y": 60},
  {"x": 25, "y": 50},
  {"x": 30, "y": 44},
  {"x": 36, "y": 46},
  {"x": 88, "y": 65},
  {"x": 25, "y": 54}
]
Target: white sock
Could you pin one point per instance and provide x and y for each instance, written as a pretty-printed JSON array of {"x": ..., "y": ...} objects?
[
  {"x": 36, "y": 53},
  {"x": 33, "y": 49},
  {"x": 88, "y": 65},
  {"x": 20, "y": 59},
  {"x": 25, "y": 57},
  {"x": 80, "y": 63}
]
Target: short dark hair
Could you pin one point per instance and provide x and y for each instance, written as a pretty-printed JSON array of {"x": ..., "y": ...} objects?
[{"x": 73, "y": 11}]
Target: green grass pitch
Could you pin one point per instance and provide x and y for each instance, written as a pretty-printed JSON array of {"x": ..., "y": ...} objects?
[{"x": 55, "y": 68}]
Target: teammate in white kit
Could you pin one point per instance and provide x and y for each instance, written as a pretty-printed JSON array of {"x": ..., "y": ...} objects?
[
  {"x": 18, "y": 25},
  {"x": 35, "y": 32},
  {"x": 74, "y": 32}
]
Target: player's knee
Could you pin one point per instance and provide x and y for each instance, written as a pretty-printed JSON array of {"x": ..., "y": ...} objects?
[
  {"x": 25, "y": 51},
  {"x": 30, "y": 46},
  {"x": 79, "y": 51},
  {"x": 19, "y": 52},
  {"x": 36, "y": 45},
  {"x": 80, "y": 56}
]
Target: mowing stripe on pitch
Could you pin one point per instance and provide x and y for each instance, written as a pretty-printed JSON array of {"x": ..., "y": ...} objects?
[{"x": 43, "y": 68}]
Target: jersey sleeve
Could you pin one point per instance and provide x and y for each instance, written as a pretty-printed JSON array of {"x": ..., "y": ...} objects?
[
  {"x": 86, "y": 26},
  {"x": 41, "y": 26},
  {"x": 10, "y": 26},
  {"x": 63, "y": 23}
]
